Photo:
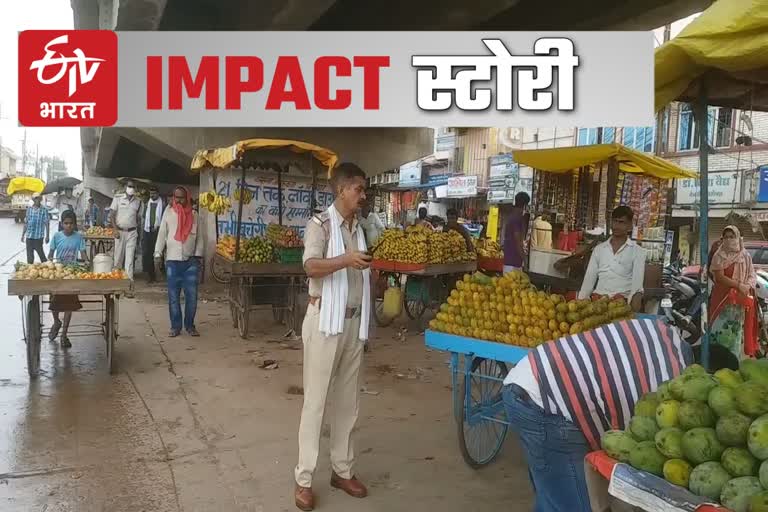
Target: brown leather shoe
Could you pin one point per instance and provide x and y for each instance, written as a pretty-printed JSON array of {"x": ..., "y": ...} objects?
[
  {"x": 351, "y": 486},
  {"x": 305, "y": 498}
]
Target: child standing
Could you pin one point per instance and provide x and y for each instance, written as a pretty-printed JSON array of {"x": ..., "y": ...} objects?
[{"x": 66, "y": 246}]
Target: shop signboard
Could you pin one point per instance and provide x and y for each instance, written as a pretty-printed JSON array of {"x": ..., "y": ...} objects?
[
  {"x": 762, "y": 194},
  {"x": 410, "y": 174},
  {"x": 724, "y": 188},
  {"x": 462, "y": 186},
  {"x": 506, "y": 179}
]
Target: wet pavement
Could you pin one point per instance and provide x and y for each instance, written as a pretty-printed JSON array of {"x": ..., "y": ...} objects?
[{"x": 194, "y": 424}]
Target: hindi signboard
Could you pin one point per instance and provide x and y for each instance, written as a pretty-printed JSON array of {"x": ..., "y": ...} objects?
[{"x": 462, "y": 186}]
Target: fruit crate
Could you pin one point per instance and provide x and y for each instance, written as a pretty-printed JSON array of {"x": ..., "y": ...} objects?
[{"x": 289, "y": 254}]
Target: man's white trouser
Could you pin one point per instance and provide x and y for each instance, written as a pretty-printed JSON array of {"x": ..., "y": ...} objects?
[
  {"x": 125, "y": 248},
  {"x": 332, "y": 370}
]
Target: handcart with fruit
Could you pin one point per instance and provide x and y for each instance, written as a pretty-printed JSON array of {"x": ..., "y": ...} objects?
[
  {"x": 261, "y": 265},
  {"x": 35, "y": 283},
  {"x": 100, "y": 240},
  {"x": 490, "y": 256},
  {"x": 420, "y": 266},
  {"x": 488, "y": 325}
]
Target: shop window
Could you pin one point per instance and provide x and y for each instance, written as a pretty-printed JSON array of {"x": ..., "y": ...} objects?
[
  {"x": 640, "y": 138},
  {"x": 609, "y": 135},
  {"x": 722, "y": 130},
  {"x": 718, "y": 128},
  {"x": 586, "y": 136}
]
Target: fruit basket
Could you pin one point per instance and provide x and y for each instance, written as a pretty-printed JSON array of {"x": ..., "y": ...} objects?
[{"x": 289, "y": 254}]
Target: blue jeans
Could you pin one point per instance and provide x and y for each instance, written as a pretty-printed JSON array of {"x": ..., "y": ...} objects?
[
  {"x": 182, "y": 275},
  {"x": 555, "y": 449}
]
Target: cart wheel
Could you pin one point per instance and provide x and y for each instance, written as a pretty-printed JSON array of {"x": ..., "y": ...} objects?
[
  {"x": 244, "y": 309},
  {"x": 482, "y": 419},
  {"x": 34, "y": 333},
  {"x": 110, "y": 334},
  {"x": 218, "y": 273},
  {"x": 278, "y": 313},
  {"x": 382, "y": 283},
  {"x": 233, "y": 312},
  {"x": 415, "y": 307}
]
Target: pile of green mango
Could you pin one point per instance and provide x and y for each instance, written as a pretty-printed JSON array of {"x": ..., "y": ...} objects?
[{"x": 708, "y": 433}]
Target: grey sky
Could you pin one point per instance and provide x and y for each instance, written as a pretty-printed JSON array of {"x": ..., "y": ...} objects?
[{"x": 40, "y": 15}]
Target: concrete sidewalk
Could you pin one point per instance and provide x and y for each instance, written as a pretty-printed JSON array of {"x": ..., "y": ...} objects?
[{"x": 195, "y": 424}]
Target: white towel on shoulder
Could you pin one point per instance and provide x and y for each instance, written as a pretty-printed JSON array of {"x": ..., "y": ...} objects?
[{"x": 333, "y": 305}]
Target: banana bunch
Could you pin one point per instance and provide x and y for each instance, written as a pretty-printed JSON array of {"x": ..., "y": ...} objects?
[
  {"x": 244, "y": 195},
  {"x": 214, "y": 203}
]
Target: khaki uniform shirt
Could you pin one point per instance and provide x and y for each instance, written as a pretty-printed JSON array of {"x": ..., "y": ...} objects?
[
  {"x": 126, "y": 211},
  {"x": 316, "y": 239}
]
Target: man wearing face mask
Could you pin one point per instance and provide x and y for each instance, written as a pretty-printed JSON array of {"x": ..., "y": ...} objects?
[{"x": 125, "y": 216}]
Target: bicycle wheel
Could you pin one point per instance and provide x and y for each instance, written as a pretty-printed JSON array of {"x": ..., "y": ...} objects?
[
  {"x": 414, "y": 300},
  {"x": 481, "y": 422}
]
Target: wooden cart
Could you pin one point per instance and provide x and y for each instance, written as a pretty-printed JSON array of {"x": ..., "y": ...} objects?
[
  {"x": 252, "y": 286},
  {"x": 30, "y": 292}
]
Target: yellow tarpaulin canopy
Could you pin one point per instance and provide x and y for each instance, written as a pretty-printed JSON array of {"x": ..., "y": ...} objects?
[
  {"x": 560, "y": 160},
  {"x": 224, "y": 157},
  {"x": 728, "y": 46},
  {"x": 25, "y": 184}
]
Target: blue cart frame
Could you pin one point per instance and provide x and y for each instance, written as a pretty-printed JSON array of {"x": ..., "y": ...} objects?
[{"x": 477, "y": 380}]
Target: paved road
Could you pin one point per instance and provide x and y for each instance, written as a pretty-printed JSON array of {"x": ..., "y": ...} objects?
[{"x": 195, "y": 425}]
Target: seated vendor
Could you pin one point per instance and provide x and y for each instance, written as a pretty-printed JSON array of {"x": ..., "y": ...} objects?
[
  {"x": 452, "y": 224},
  {"x": 617, "y": 266}
]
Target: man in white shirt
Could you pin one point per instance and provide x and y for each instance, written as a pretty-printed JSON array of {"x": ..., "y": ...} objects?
[
  {"x": 541, "y": 236},
  {"x": 178, "y": 237},
  {"x": 153, "y": 214},
  {"x": 617, "y": 266}
]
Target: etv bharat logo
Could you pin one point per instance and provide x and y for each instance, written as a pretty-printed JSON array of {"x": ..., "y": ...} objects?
[
  {"x": 68, "y": 78},
  {"x": 77, "y": 65}
]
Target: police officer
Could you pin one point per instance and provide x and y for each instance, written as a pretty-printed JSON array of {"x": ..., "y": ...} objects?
[
  {"x": 332, "y": 364},
  {"x": 124, "y": 216}
]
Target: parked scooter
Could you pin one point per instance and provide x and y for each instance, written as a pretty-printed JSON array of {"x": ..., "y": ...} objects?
[{"x": 682, "y": 303}]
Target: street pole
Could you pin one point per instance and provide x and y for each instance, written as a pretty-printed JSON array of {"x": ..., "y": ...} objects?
[
  {"x": 24, "y": 154},
  {"x": 702, "y": 119}
]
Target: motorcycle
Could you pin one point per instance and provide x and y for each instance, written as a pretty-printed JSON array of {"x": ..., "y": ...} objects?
[{"x": 682, "y": 303}]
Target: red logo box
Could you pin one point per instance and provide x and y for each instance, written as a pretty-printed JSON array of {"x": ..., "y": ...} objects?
[{"x": 67, "y": 78}]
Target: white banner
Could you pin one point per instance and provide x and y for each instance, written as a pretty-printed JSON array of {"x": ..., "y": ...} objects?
[
  {"x": 263, "y": 208},
  {"x": 462, "y": 186},
  {"x": 724, "y": 188}
]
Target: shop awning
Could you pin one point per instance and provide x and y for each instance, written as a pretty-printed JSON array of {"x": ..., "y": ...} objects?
[
  {"x": 727, "y": 44},
  {"x": 224, "y": 157},
  {"x": 25, "y": 184},
  {"x": 560, "y": 160}
]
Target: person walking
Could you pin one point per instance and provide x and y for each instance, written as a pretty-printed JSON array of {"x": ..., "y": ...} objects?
[
  {"x": 153, "y": 213},
  {"x": 92, "y": 214},
  {"x": 125, "y": 217},
  {"x": 515, "y": 233},
  {"x": 334, "y": 331},
  {"x": 178, "y": 236},
  {"x": 37, "y": 227}
]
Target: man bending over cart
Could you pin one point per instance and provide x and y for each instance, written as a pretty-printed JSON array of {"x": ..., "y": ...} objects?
[{"x": 566, "y": 393}]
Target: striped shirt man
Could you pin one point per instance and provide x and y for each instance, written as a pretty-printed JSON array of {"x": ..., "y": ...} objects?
[
  {"x": 37, "y": 219},
  {"x": 595, "y": 378}
]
